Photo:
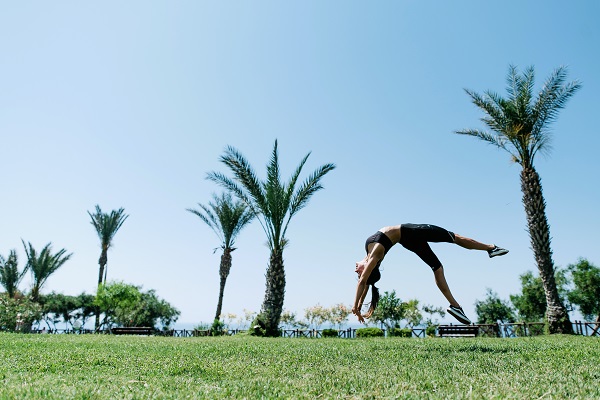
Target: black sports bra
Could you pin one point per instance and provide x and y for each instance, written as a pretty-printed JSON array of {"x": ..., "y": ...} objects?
[{"x": 381, "y": 238}]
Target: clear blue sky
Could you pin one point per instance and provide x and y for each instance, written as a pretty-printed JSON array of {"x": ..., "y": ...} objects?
[{"x": 130, "y": 104}]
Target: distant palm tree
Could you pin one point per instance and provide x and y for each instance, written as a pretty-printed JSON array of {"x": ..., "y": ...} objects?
[
  {"x": 226, "y": 218},
  {"x": 43, "y": 265},
  {"x": 10, "y": 277},
  {"x": 519, "y": 125},
  {"x": 274, "y": 203},
  {"x": 106, "y": 226}
]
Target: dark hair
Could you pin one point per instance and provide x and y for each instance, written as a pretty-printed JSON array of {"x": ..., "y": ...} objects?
[
  {"x": 374, "y": 301},
  {"x": 373, "y": 278}
]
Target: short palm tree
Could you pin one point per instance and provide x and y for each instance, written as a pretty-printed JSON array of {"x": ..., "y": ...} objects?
[
  {"x": 106, "y": 226},
  {"x": 519, "y": 125},
  {"x": 10, "y": 277},
  {"x": 226, "y": 218},
  {"x": 43, "y": 265},
  {"x": 274, "y": 203}
]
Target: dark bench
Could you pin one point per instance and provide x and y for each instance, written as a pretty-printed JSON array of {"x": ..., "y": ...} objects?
[
  {"x": 133, "y": 330},
  {"x": 458, "y": 330}
]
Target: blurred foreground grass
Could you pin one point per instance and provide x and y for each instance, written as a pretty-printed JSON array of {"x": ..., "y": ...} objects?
[{"x": 119, "y": 367}]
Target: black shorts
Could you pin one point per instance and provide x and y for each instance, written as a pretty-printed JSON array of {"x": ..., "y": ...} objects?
[{"x": 415, "y": 237}]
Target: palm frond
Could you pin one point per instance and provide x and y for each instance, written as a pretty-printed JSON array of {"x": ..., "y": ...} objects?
[
  {"x": 294, "y": 178},
  {"x": 228, "y": 184},
  {"x": 208, "y": 218},
  {"x": 44, "y": 264},
  {"x": 491, "y": 104},
  {"x": 242, "y": 217},
  {"x": 272, "y": 202},
  {"x": 251, "y": 191},
  {"x": 562, "y": 96},
  {"x": 541, "y": 143},
  {"x": 10, "y": 277},
  {"x": 553, "y": 97},
  {"x": 483, "y": 135},
  {"x": 512, "y": 82},
  {"x": 519, "y": 120},
  {"x": 240, "y": 192},
  {"x": 245, "y": 175},
  {"x": 273, "y": 181},
  {"x": 525, "y": 94},
  {"x": 309, "y": 187},
  {"x": 495, "y": 140},
  {"x": 209, "y": 212},
  {"x": 276, "y": 200},
  {"x": 107, "y": 225},
  {"x": 232, "y": 216}
]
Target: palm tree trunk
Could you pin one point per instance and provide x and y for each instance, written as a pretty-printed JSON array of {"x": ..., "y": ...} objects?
[
  {"x": 274, "y": 294},
  {"x": 35, "y": 292},
  {"x": 102, "y": 262},
  {"x": 223, "y": 273},
  {"x": 539, "y": 232}
]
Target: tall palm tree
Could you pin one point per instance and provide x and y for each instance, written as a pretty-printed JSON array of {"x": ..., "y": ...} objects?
[
  {"x": 274, "y": 203},
  {"x": 519, "y": 125},
  {"x": 10, "y": 277},
  {"x": 226, "y": 218},
  {"x": 43, "y": 265},
  {"x": 106, "y": 226}
]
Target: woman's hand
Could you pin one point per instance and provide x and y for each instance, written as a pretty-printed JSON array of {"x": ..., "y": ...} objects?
[{"x": 356, "y": 311}]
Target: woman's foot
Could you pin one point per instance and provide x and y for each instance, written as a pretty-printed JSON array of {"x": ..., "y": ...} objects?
[
  {"x": 497, "y": 251},
  {"x": 459, "y": 314}
]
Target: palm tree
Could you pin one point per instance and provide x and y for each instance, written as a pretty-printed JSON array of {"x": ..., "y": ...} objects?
[
  {"x": 226, "y": 218},
  {"x": 10, "y": 277},
  {"x": 106, "y": 226},
  {"x": 519, "y": 125},
  {"x": 274, "y": 203},
  {"x": 43, "y": 265}
]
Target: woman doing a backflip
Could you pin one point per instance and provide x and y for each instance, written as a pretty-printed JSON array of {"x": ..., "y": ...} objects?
[{"x": 416, "y": 238}]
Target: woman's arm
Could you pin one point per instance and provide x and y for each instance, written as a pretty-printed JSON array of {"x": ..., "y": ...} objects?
[
  {"x": 374, "y": 257},
  {"x": 361, "y": 292}
]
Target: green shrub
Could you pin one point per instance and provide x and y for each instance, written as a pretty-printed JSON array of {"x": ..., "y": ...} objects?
[
  {"x": 330, "y": 333},
  {"x": 369, "y": 332},
  {"x": 430, "y": 330},
  {"x": 202, "y": 326},
  {"x": 405, "y": 332},
  {"x": 217, "y": 328},
  {"x": 20, "y": 309}
]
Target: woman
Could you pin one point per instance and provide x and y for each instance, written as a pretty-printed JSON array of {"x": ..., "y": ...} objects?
[{"x": 414, "y": 237}]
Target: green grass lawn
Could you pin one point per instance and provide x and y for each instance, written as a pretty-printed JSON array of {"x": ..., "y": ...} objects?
[{"x": 117, "y": 367}]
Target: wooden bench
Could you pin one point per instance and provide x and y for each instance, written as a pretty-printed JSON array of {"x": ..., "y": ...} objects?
[
  {"x": 458, "y": 330},
  {"x": 133, "y": 330}
]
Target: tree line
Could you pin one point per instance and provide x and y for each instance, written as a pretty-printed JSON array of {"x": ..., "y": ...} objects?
[
  {"x": 578, "y": 286},
  {"x": 114, "y": 304}
]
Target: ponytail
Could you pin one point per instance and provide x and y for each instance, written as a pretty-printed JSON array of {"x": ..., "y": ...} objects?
[
  {"x": 373, "y": 278},
  {"x": 374, "y": 301}
]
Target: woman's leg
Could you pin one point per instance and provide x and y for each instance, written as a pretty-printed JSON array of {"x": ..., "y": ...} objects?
[
  {"x": 471, "y": 244},
  {"x": 440, "y": 281},
  {"x": 423, "y": 250}
]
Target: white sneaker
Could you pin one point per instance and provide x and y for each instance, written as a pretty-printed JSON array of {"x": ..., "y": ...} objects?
[
  {"x": 459, "y": 314},
  {"x": 497, "y": 251}
]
